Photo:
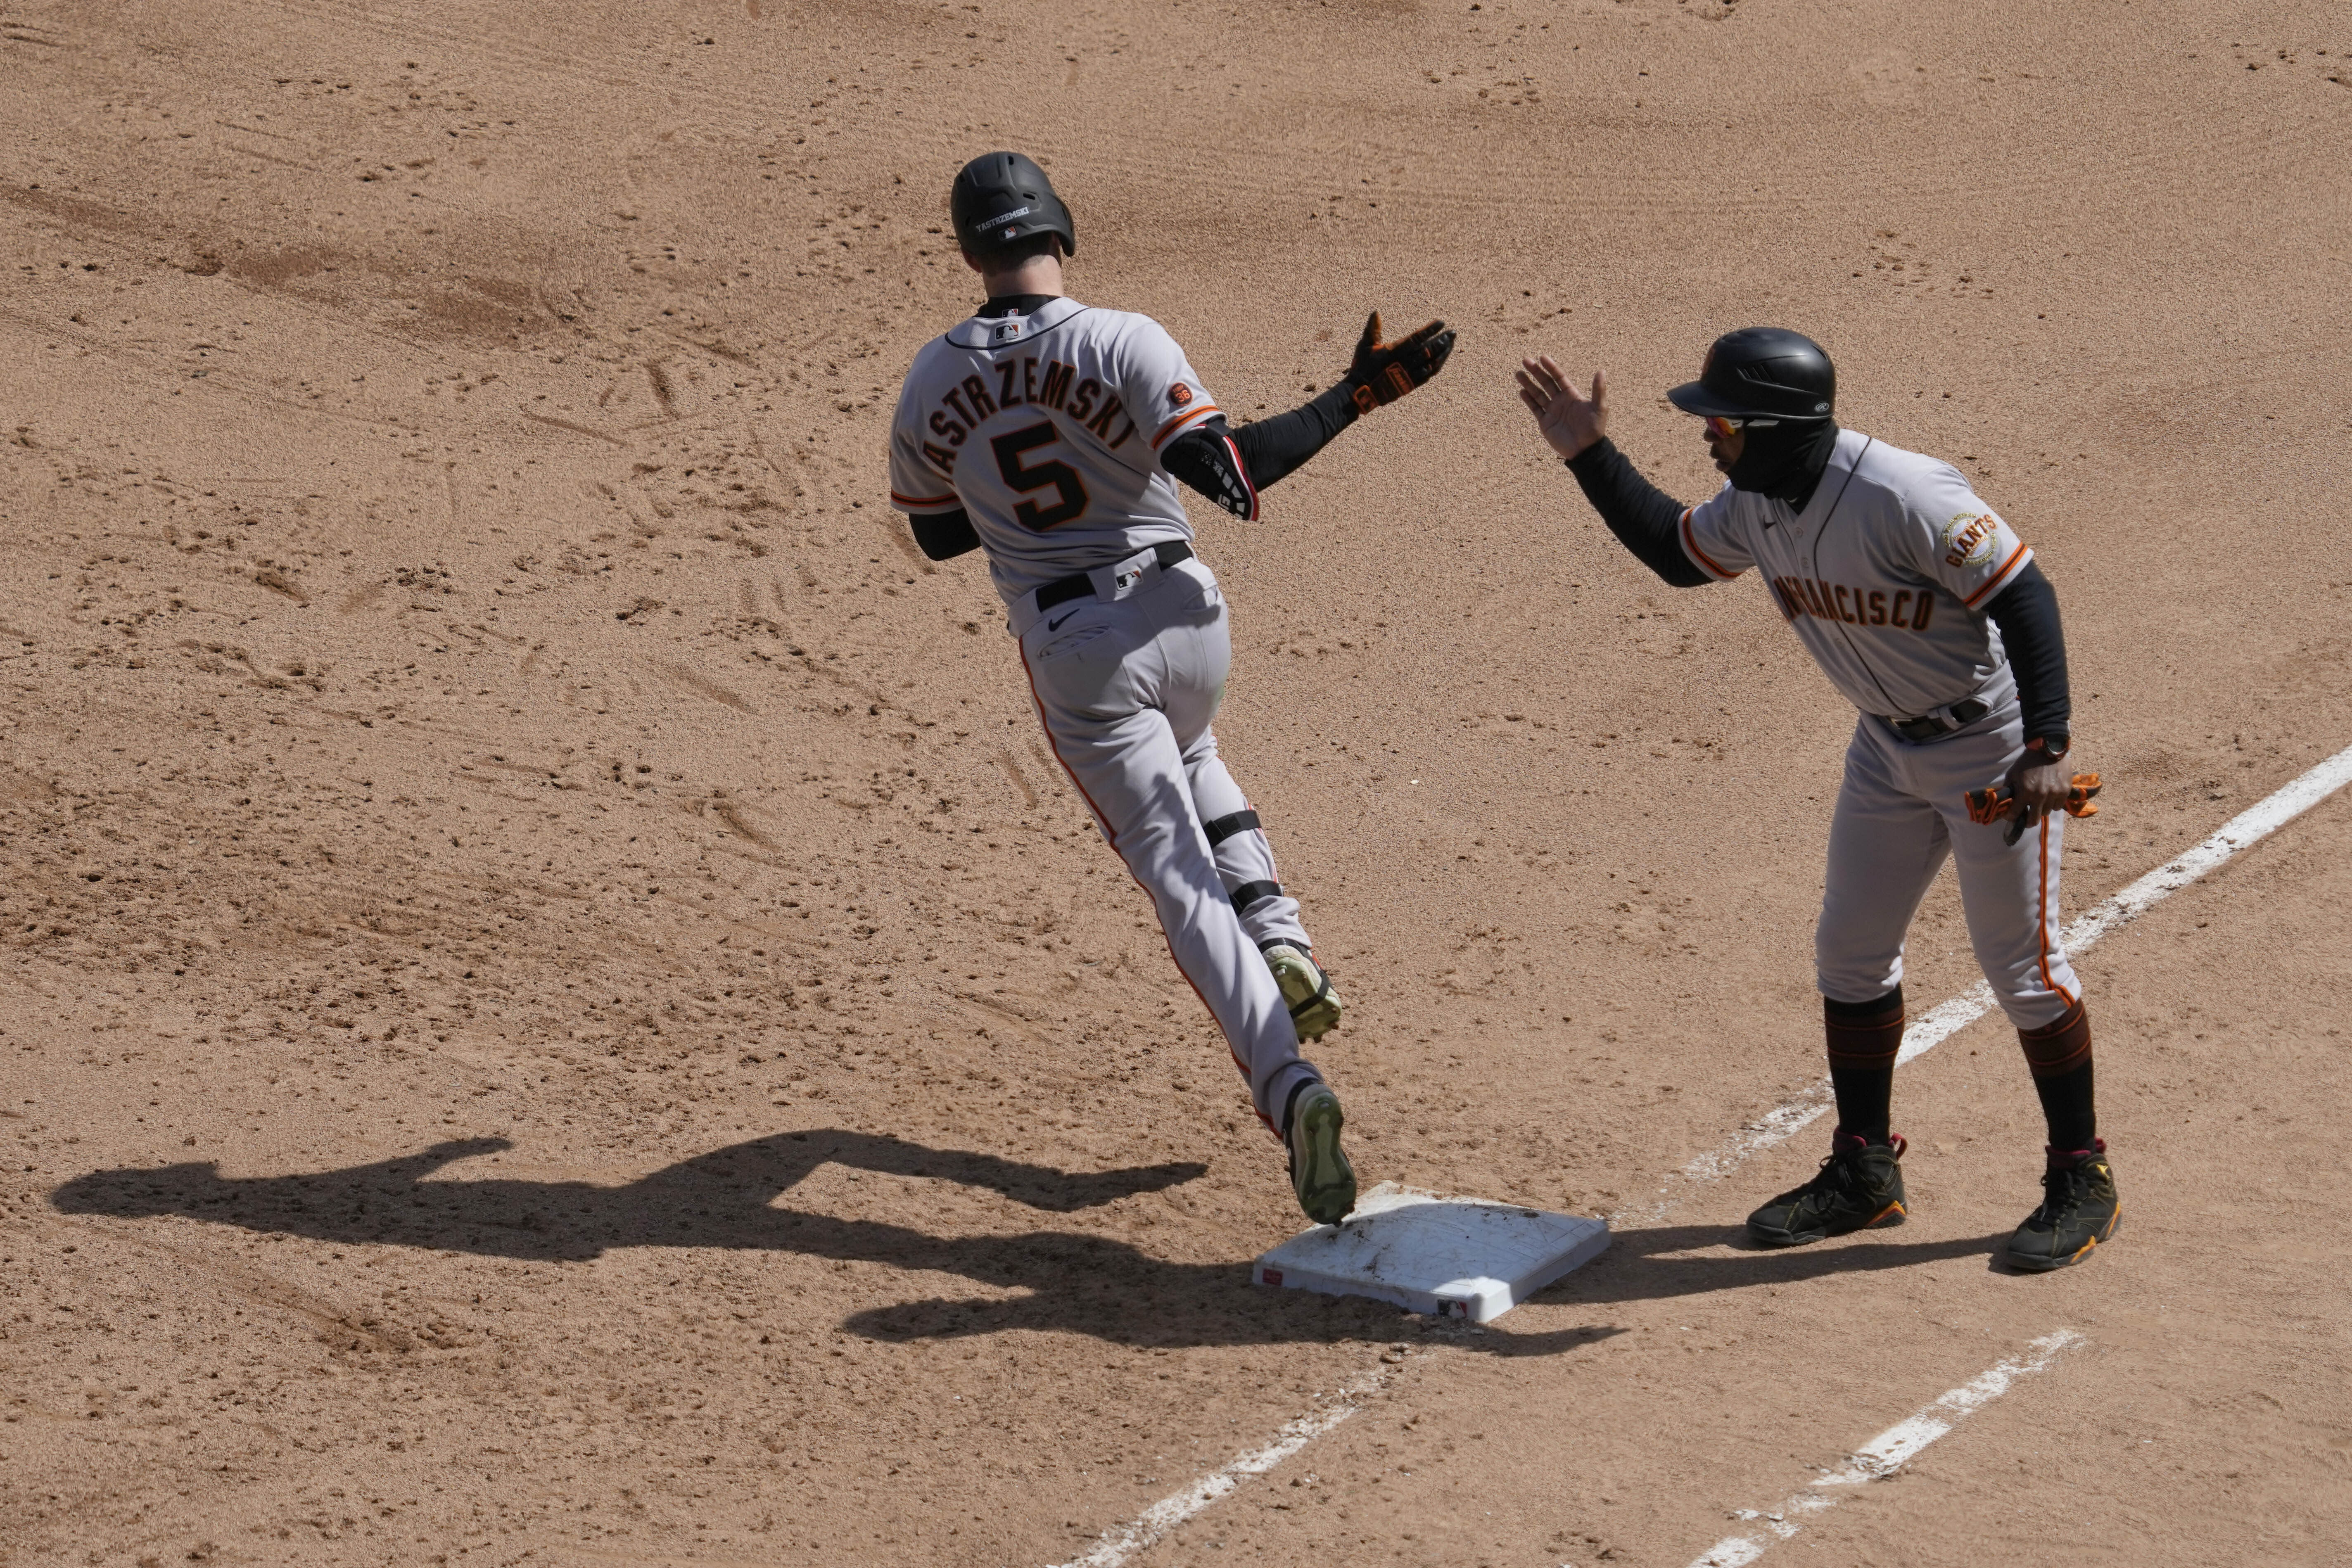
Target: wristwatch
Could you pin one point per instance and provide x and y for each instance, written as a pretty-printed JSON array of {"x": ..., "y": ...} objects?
[{"x": 2052, "y": 746}]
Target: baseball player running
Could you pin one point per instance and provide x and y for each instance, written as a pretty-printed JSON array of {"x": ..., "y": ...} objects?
[
  {"x": 1930, "y": 616},
  {"x": 1051, "y": 434}
]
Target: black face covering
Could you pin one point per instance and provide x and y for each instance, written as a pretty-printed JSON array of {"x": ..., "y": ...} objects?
[{"x": 1785, "y": 460}]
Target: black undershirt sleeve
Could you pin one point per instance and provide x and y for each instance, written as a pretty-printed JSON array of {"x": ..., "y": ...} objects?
[
  {"x": 943, "y": 535},
  {"x": 1271, "y": 450},
  {"x": 2026, "y": 614},
  {"x": 1645, "y": 519}
]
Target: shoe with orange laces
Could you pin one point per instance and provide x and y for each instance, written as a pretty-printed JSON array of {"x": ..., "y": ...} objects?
[
  {"x": 2079, "y": 1210},
  {"x": 1860, "y": 1187}
]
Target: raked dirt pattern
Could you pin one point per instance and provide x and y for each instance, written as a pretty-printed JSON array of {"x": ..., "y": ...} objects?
[{"x": 554, "y": 1009}]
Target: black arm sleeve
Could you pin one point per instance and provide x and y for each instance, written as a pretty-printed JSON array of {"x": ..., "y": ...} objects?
[
  {"x": 1230, "y": 465},
  {"x": 2026, "y": 614},
  {"x": 1645, "y": 519},
  {"x": 943, "y": 535},
  {"x": 1273, "y": 449}
]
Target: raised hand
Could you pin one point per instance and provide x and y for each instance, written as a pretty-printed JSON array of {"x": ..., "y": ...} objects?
[
  {"x": 1571, "y": 423},
  {"x": 1382, "y": 372}
]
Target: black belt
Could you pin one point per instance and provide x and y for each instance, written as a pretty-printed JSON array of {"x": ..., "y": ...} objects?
[
  {"x": 1963, "y": 714},
  {"x": 1079, "y": 586}
]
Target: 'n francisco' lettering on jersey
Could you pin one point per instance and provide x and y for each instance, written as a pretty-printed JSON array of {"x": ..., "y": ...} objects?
[
  {"x": 1045, "y": 428},
  {"x": 1876, "y": 573}
]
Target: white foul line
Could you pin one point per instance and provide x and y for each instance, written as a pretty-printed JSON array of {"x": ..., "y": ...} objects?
[
  {"x": 1946, "y": 1019},
  {"x": 1932, "y": 1029},
  {"x": 1886, "y": 1453},
  {"x": 1125, "y": 1540}
]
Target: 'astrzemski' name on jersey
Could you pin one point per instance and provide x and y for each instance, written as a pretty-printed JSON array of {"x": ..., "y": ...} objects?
[
  {"x": 1047, "y": 430},
  {"x": 963, "y": 406},
  {"x": 1883, "y": 575}
]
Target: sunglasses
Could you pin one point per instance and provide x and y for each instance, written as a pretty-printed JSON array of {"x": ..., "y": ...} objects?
[{"x": 1722, "y": 429}]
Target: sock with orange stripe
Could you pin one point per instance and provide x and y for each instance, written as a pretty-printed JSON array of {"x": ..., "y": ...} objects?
[
  {"x": 1863, "y": 1038},
  {"x": 2059, "y": 1054}
]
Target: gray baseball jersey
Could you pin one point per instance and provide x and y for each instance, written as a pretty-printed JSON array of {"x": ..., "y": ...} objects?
[
  {"x": 1876, "y": 575},
  {"x": 1885, "y": 575},
  {"x": 1047, "y": 430}
]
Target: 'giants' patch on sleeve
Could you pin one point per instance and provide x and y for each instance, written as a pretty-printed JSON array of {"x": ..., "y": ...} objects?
[{"x": 1970, "y": 538}]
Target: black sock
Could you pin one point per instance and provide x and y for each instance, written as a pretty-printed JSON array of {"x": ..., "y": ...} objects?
[
  {"x": 1863, "y": 1038},
  {"x": 2059, "y": 1054},
  {"x": 1864, "y": 1097},
  {"x": 2066, "y": 1107}
]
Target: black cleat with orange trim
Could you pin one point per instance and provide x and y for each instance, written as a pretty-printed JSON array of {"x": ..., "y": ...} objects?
[
  {"x": 2079, "y": 1210},
  {"x": 1860, "y": 1187}
]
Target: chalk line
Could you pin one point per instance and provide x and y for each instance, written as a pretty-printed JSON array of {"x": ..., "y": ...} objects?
[
  {"x": 1943, "y": 1020},
  {"x": 1886, "y": 1453},
  {"x": 1929, "y": 1030},
  {"x": 1118, "y": 1544}
]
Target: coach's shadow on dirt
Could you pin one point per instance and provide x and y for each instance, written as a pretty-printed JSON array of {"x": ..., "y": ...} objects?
[{"x": 1079, "y": 1283}]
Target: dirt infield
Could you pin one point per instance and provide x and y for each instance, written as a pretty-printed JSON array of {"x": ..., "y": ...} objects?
[{"x": 554, "y": 1008}]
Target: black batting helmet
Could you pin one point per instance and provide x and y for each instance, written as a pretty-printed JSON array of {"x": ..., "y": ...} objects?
[
  {"x": 1761, "y": 373},
  {"x": 1001, "y": 197}
]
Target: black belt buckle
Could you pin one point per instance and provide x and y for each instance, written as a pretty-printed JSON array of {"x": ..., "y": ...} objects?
[
  {"x": 1079, "y": 586},
  {"x": 1928, "y": 726}
]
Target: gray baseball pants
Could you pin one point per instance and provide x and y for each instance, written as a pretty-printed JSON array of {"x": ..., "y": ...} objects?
[
  {"x": 1900, "y": 811},
  {"x": 1125, "y": 686}
]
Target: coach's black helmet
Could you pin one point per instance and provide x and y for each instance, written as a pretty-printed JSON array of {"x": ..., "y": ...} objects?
[
  {"x": 1761, "y": 373},
  {"x": 1001, "y": 198}
]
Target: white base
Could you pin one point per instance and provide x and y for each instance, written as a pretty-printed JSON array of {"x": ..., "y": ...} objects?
[{"x": 1453, "y": 1257}]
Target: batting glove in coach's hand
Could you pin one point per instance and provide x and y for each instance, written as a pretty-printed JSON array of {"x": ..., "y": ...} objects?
[{"x": 1382, "y": 372}]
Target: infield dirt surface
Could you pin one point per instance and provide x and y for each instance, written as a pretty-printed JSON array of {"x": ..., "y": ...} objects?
[{"x": 554, "y": 1008}]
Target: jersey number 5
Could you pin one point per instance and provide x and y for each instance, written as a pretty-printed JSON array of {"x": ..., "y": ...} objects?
[{"x": 1026, "y": 478}]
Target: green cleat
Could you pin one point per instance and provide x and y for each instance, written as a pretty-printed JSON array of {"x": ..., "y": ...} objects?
[
  {"x": 1305, "y": 991},
  {"x": 1319, "y": 1172},
  {"x": 2079, "y": 1210},
  {"x": 1860, "y": 1187}
]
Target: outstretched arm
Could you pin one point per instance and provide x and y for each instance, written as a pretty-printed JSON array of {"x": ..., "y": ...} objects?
[
  {"x": 1645, "y": 519},
  {"x": 1230, "y": 465}
]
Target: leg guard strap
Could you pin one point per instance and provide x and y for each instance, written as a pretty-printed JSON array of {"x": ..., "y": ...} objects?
[
  {"x": 1219, "y": 829},
  {"x": 1249, "y": 893}
]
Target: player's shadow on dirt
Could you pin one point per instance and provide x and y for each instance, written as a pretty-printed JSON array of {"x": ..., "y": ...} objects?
[
  {"x": 1666, "y": 1261},
  {"x": 1071, "y": 1281}
]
